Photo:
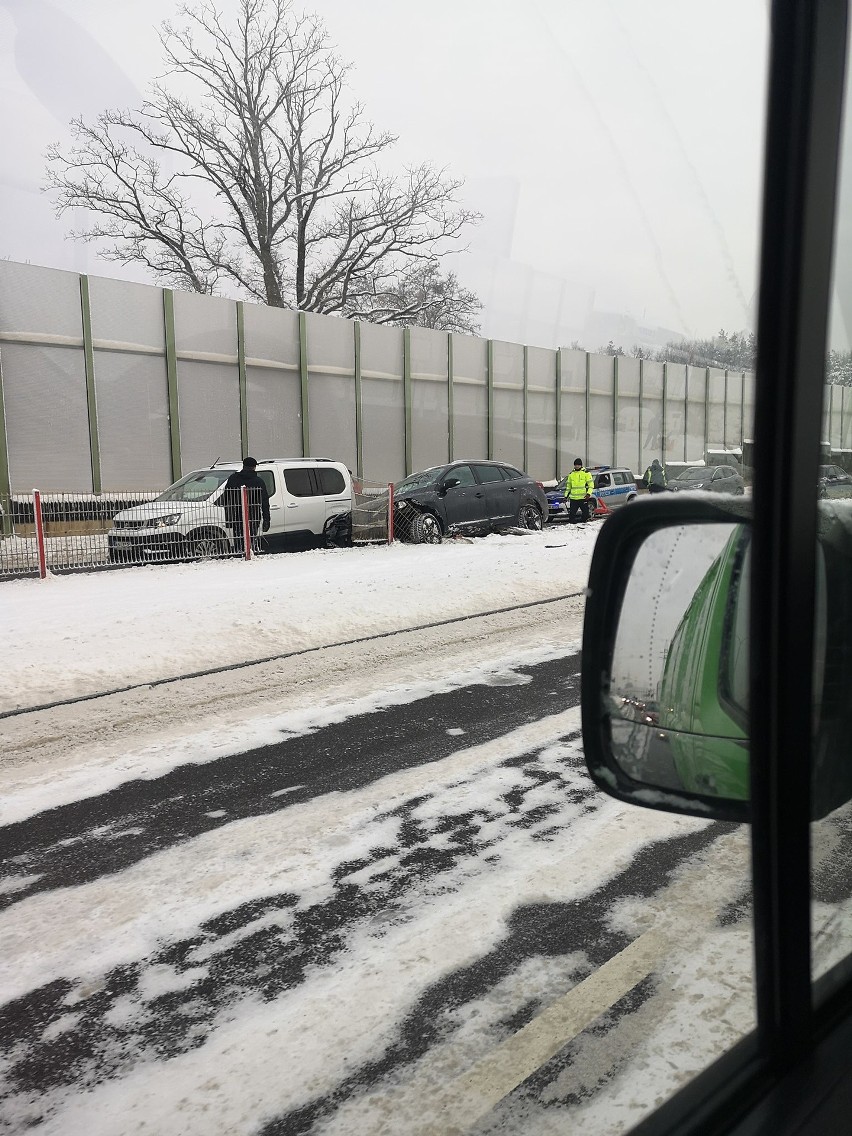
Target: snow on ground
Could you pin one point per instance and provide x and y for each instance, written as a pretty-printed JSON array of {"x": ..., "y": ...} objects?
[
  {"x": 84, "y": 634},
  {"x": 154, "y": 939},
  {"x": 261, "y": 1056}
]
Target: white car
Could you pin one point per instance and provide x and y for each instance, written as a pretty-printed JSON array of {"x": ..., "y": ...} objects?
[{"x": 188, "y": 520}]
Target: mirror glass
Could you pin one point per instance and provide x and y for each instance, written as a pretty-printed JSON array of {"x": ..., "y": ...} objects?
[{"x": 677, "y": 696}]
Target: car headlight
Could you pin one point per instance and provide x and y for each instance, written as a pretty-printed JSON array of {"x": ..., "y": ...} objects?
[{"x": 163, "y": 522}]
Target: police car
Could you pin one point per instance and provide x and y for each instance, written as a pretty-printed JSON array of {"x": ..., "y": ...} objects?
[{"x": 614, "y": 486}]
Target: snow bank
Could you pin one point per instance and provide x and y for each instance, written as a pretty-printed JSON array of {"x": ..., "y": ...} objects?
[{"x": 84, "y": 634}]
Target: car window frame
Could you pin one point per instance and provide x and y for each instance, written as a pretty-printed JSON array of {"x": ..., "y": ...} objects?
[
  {"x": 453, "y": 471},
  {"x": 311, "y": 480},
  {"x": 785, "y": 1076},
  {"x": 269, "y": 474},
  {"x": 322, "y": 473},
  {"x": 477, "y": 466}
]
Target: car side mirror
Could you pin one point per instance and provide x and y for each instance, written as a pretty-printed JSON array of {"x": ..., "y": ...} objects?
[
  {"x": 450, "y": 483},
  {"x": 665, "y": 679}
]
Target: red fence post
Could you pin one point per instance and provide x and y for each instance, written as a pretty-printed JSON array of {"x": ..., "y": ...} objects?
[
  {"x": 39, "y": 529},
  {"x": 390, "y": 513},
  {"x": 246, "y": 525}
]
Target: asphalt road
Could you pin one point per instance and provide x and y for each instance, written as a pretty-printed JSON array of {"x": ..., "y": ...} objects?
[
  {"x": 66, "y": 845},
  {"x": 71, "y": 846}
]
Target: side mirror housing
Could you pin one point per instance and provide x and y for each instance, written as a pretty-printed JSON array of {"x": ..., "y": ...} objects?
[
  {"x": 665, "y": 679},
  {"x": 450, "y": 483}
]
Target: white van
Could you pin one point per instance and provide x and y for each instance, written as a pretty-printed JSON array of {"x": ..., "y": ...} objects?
[{"x": 305, "y": 495}]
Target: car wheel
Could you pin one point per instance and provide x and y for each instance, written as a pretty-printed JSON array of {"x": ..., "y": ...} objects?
[
  {"x": 426, "y": 529},
  {"x": 529, "y": 517},
  {"x": 632, "y": 497},
  {"x": 206, "y": 544}
]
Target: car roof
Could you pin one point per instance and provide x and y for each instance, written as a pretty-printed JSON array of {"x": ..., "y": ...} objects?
[
  {"x": 238, "y": 463},
  {"x": 481, "y": 461}
]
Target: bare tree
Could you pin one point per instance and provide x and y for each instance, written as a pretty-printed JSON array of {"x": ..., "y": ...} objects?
[
  {"x": 259, "y": 177},
  {"x": 421, "y": 295}
]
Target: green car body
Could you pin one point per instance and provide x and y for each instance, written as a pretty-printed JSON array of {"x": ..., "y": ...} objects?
[{"x": 703, "y": 693}]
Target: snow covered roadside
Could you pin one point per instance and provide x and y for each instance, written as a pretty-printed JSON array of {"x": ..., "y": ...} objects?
[{"x": 84, "y": 634}]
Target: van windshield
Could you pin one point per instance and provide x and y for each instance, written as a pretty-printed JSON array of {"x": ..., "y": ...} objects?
[{"x": 196, "y": 486}]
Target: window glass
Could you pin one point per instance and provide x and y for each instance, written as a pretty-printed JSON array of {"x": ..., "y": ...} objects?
[
  {"x": 268, "y": 479},
  {"x": 330, "y": 480},
  {"x": 831, "y": 836},
  {"x": 602, "y": 481},
  {"x": 421, "y": 480},
  {"x": 462, "y": 474},
  {"x": 488, "y": 472},
  {"x": 416, "y": 914},
  {"x": 299, "y": 482},
  {"x": 196, "y": 486}
]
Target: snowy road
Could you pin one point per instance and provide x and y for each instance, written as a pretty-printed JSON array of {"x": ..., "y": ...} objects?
[
  {"x": 361, "y": 928},
  {"x": 366, "y": 889}
]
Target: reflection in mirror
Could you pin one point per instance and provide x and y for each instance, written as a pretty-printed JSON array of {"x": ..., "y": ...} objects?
[{"x": 678, "y": 686}]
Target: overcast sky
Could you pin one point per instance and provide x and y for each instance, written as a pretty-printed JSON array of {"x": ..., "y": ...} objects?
[{"x": 613, "y": 146}]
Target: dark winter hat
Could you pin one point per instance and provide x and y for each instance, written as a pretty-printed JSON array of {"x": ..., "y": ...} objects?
[
  {"x": 578, "y": 461},
  {"x": 250, "y": 462}
]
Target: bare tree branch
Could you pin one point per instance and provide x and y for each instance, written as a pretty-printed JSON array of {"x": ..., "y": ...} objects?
[{"x": 248, "y": 168}]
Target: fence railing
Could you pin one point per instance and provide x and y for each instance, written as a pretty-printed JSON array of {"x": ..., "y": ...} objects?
[{"x": 42, "y": 533}]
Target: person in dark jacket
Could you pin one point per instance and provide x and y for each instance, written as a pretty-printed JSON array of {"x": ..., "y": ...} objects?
[
  {"x": 258, "y": 502},
  {"x": 655, "y": 477}
]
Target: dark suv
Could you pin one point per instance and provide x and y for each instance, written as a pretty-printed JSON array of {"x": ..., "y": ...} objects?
[{"x": 466, "y": 496}]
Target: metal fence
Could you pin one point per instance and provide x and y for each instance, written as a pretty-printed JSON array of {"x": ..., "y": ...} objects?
[
  {"x": 108, "y": 383},
  {"x": 43, "y": 533}
]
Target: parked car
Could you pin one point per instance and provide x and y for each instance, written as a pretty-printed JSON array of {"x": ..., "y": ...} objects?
[
  {"x": 614, "y": 486},
  {"x": 711, "y": 478},
  {"x": 466, "y": 496},
  {"x": 557, "y": 503},
  {"x": 834, "y": 482},
  {"x": 188, "y": 520}
]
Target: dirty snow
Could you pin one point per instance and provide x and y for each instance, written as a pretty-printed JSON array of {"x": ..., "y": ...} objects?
[{"x": 144, "y": 942}]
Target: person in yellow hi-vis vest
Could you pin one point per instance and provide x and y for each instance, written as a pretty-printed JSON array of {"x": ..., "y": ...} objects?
[{"x": 578, "y": 490}]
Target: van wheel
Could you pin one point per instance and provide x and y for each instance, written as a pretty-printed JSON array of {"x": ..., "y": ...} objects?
[
  {"x": 530, "y": 518},
  {"x": 206, "y": 544},
  {"x": 426, "y": 529}
]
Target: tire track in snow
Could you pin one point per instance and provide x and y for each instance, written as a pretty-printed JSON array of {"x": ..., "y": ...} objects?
[
  {"x": 70, "y": 1033},
  {"x": 83, "y": 841}
]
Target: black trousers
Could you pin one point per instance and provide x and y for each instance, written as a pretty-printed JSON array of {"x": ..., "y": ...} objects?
[
  {"x": 578, "y": 511},
  {"x": 239, "y": 545}
]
